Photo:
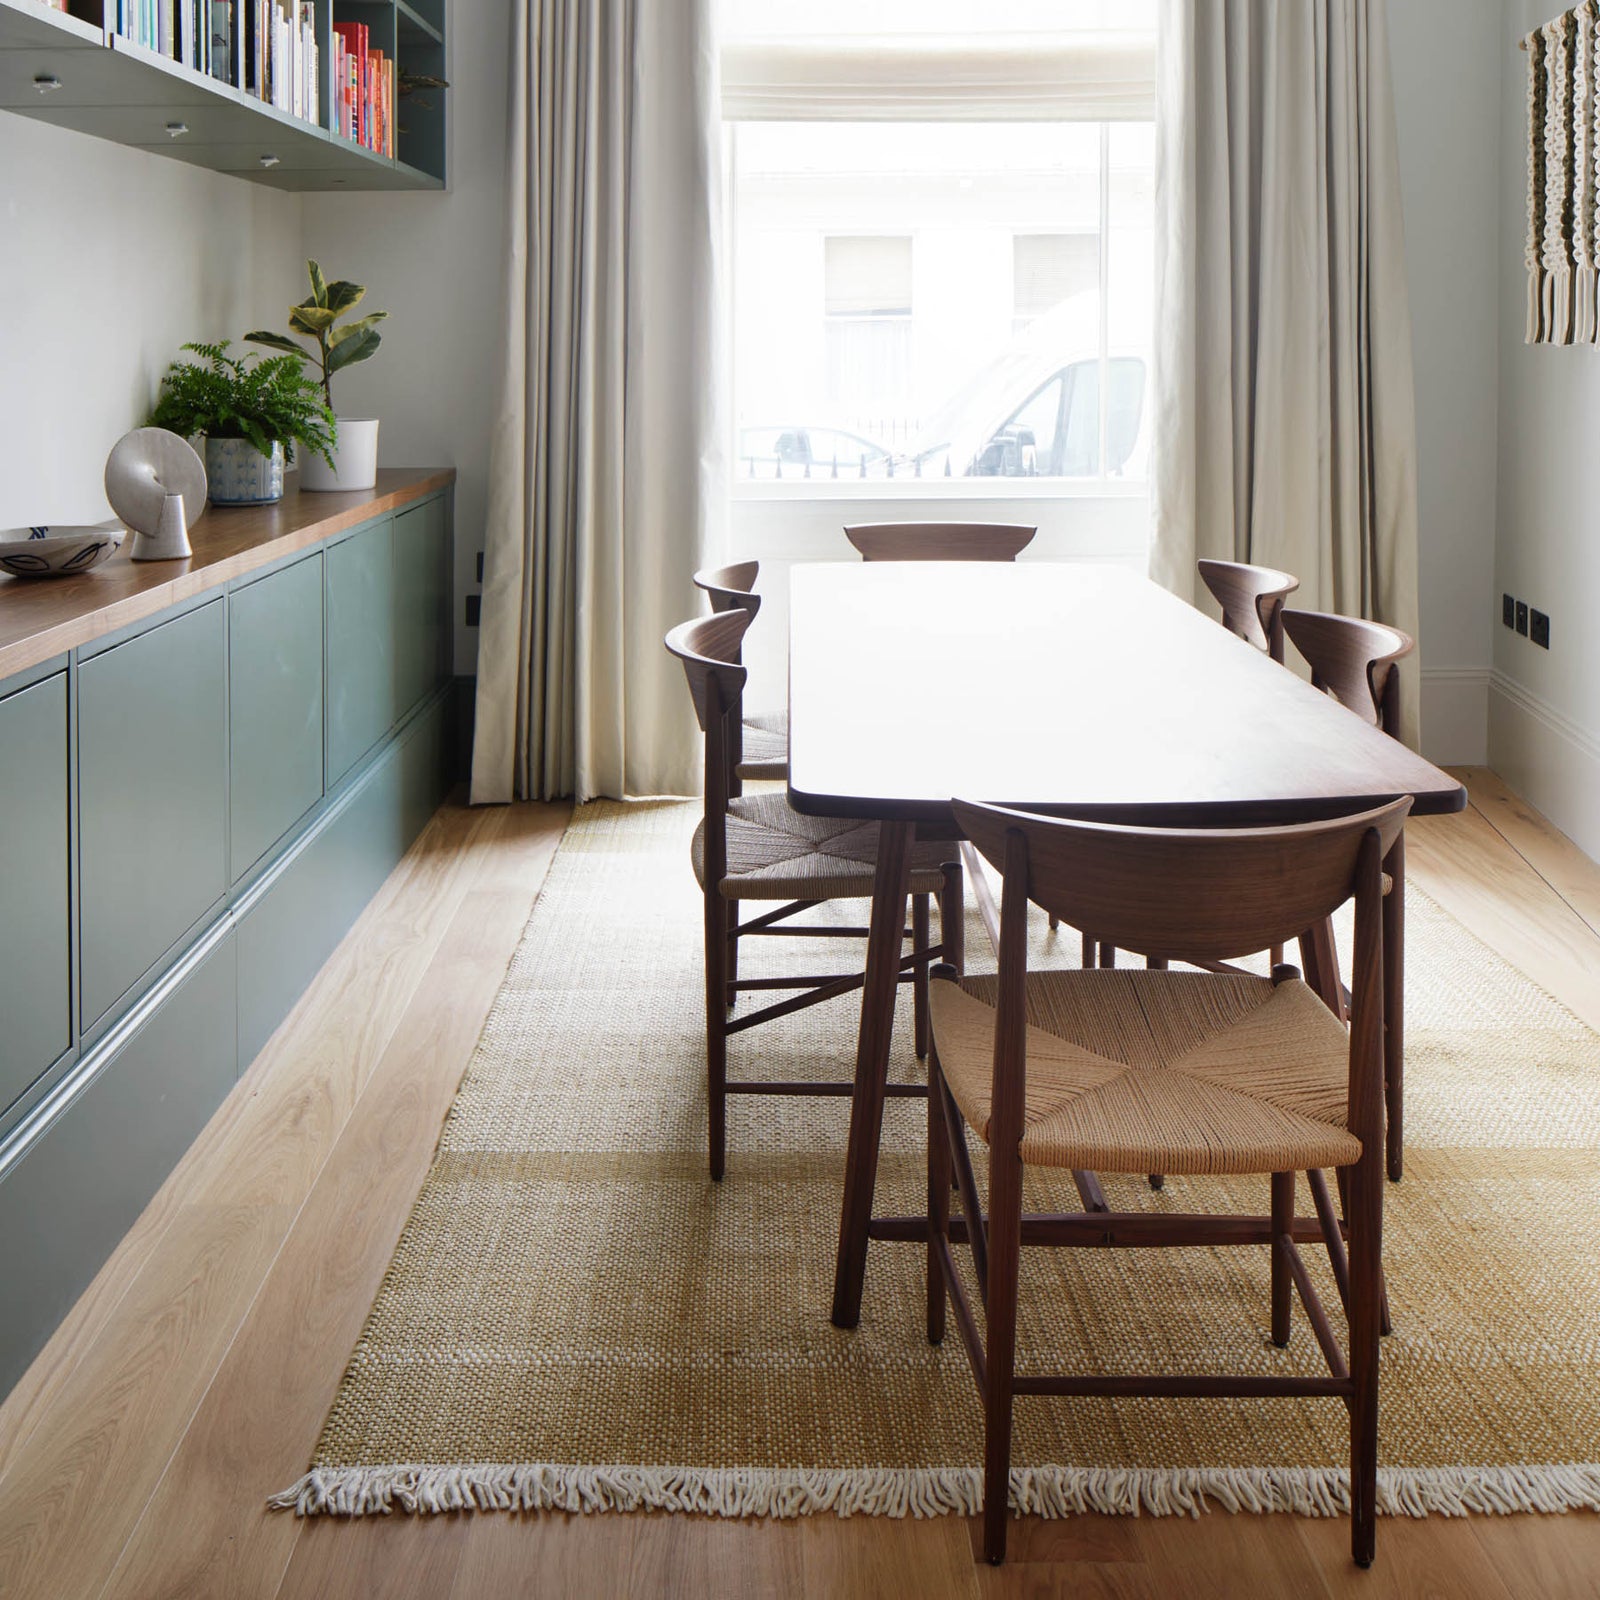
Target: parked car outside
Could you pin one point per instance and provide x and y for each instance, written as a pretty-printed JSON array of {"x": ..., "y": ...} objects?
[{"x": 1034, "y": 410}]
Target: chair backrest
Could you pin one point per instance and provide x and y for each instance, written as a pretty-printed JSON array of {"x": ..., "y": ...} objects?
[
  {"x": 1353, "y": 660},
  {"x": 939, "y": 541},
  {"x": 1251, "y": 599},
  {"x": 1195, "y": 894},
  {"x": 731, "y": 588},
  {"x": 708, "y": 647}
]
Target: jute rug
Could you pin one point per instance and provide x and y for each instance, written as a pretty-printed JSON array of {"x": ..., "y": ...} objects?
[{"x": 576, "y": 1317}]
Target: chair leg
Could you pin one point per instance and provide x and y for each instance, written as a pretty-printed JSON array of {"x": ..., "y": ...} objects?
[
  {"x": 1108, "y": 954},
  {"x": 1005, "y": 1243},
  {"x": 920, "y": 904},
  {"x": 1394, "y": 957},
  {"x": 1282, "y": 1229},
  {"x": 716, "y": 1029},
  {"x": 1086, "y": 960},
  {"x": 1366, "y": 1294},
  {"x": 1055, "y": 922},
  {"x": 953, "y": 917},
  {"x": 939, "y": 1179},
  {"x": 1158, "y": 1180},
  {"x": 733, "y": 954}
]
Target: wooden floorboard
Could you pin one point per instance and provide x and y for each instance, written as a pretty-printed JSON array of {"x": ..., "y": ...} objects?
[{"x": 191, "y": 1380}]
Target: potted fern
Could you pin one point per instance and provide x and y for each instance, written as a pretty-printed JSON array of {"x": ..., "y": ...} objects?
[
  {"x": 248, "y": 408},
  {"x": 353, "y": 462}
]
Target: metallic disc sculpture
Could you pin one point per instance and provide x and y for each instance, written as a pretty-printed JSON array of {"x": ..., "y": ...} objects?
[{"x": 157, "y": 484}]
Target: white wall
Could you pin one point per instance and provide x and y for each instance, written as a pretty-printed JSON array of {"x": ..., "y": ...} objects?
[
  {"x": 1544, "y": 705},
  {"x": 1446, "y": 63},
  {"x": 110, "y": 259},
  {"x": 436, "y": 263}
]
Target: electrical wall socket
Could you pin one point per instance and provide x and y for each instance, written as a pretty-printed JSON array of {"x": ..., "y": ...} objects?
[
  {"x": 1522, "y": 618},
  {"x": 1539, "y": 629},
  {"x": 1508, "y": 610}
]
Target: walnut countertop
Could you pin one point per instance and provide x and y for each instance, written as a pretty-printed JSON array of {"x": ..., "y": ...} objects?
[{"x": 45, "y": 617}]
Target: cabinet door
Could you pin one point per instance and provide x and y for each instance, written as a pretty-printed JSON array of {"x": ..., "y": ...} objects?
[
  {"x": 67, "y": 1202},
  {"x": 360, "y": 586},
  {"x": 152, "y": 798},
  {"x": 422, "y": 599},
  {"x": 275, "y": 707},
  {"x": 35, "y": 956}
]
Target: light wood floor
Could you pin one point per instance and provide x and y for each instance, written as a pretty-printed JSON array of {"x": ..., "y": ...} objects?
[{"x": 192, "y": 1379}]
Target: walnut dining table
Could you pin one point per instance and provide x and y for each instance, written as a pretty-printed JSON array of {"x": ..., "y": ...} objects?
[{"x": 1078, "y": 690}]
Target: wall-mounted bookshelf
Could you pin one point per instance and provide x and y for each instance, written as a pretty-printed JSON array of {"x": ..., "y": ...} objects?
[{"x": 92, "y": 69}]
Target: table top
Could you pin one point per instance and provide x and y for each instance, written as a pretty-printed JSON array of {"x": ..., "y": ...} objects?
[
  {"x": 1081, "y": 690},
  {"x": 43, "y": 617}
]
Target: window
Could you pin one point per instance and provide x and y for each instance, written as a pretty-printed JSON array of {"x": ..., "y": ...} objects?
[
  {"x": 942, "y": 239},
  {"x": 1047, "y": 268}
]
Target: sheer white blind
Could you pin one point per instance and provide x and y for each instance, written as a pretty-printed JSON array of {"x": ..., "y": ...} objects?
[{"x": 1087, "y": 75}]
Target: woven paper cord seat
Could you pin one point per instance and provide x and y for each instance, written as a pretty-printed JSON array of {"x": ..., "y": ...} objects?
[
  {"x": 766, "y": 746},
  {"x": 775, "y": 853},
  {"x": 1133, "y": 1071}
]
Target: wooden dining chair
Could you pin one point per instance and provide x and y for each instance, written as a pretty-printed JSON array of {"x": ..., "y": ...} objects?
[
  {"x": 760, "y": 742},
  {"x": 758, "y": 847},
  {"x": 1252, "y": 600},
  {"x": 1129, "y": 1071},
  {"x": 1355, "y": 662},
  {"x": 939, "y": 541}
]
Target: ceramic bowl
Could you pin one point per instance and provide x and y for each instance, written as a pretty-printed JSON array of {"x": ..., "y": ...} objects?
[{"x": 57, "y": 552}]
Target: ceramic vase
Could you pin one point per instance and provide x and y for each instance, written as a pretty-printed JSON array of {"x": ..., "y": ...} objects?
[
  {"x": 240, "y": 475},
  {"x": 355, "y": 459}
]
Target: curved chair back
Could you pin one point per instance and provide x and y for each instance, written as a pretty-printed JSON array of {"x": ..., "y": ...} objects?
[
  {"x": 731, "y": 588},
  {"x": 1353, "y": 660},
  {"x": 708, "y": 647},
  {"x": 1252, "y": 601},
  {"x": 1192, "y": 894},
  {"x": 939, "y": 541}
]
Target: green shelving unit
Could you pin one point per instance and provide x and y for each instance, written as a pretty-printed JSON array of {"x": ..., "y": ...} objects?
[{"x": 76, "y": 72}]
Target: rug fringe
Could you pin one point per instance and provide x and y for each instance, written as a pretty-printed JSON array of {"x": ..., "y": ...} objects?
[{"x": 1049, "y": 1492}]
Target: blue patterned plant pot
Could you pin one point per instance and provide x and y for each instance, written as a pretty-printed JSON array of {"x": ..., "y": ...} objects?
[{"x": 239, "y": 475}]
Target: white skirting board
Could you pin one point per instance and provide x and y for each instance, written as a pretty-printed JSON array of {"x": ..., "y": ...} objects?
[
  {"x": 1455, "y": 716},
  {"x": 1547, "y": 759}
]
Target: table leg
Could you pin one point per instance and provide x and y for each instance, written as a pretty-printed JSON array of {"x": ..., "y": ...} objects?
[
  {"x": 1394, "y": 1007},
  {"x": 890, "y": 885},
  {"x": 1320, "y": 959}
]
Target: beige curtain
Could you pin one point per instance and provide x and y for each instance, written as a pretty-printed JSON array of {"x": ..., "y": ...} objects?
[
  {"x": 1284, "y": 408},
  {"x": 605, "y": 478}
]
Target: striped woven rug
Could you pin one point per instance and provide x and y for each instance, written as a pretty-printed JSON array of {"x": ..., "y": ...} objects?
[{"x": 576, "y": 1317}]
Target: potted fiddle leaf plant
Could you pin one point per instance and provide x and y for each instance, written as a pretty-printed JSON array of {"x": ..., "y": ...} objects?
[
  {"x": 353, "y": 462},
  {"x": 249, "y": 409}
]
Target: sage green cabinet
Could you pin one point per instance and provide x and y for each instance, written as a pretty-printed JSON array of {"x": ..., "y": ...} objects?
[
  {"x": 361, "y": 655},
  {"x": 275, "y": 707},
  {"x": 73, "y": 1195},
  {"x": 152, "y": 798},
  {"x": 422, "y": 601},
  {"x": 35, "y": 887}
]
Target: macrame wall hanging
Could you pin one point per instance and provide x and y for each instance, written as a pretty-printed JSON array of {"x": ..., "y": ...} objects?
[{"x": 1563, "y": 251}]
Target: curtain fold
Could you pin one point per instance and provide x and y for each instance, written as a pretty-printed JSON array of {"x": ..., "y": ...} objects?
[
  {"x": 1283, "y": 397},
  {"x": 606, "y": 471}
]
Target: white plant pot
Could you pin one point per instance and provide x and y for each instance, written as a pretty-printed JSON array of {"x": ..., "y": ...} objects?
[{"x": 355, "y": 459}]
